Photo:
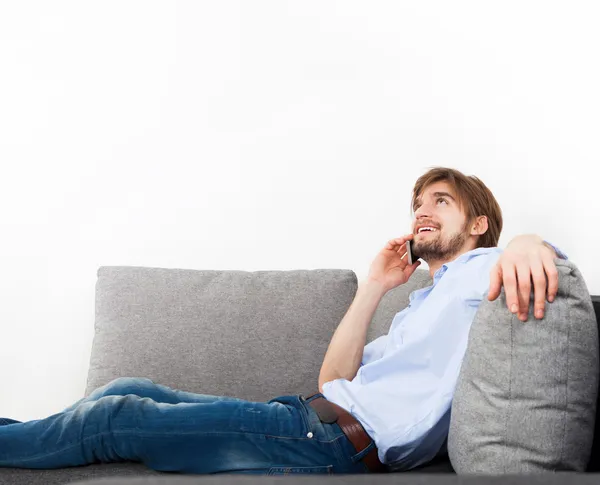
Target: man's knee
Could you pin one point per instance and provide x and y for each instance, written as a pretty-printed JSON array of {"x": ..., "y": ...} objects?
[{"x": 127, "y": 385}]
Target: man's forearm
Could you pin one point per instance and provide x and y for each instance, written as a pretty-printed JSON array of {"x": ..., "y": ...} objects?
[
  {"x": 534, "y": 237},
  {"x": 551, "y": 248},
  {"x": 345, "y": 351}
]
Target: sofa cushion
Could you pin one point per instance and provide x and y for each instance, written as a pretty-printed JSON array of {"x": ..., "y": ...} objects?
[
  {"x": 525, "y": 399},
  {"x": 356, "y": 479},
  {"x": 85, "y": 474},
  {"x": 251, "y": 335}
]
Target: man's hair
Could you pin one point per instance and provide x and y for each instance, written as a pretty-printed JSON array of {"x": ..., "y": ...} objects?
[{"x": 474, "y": 198}]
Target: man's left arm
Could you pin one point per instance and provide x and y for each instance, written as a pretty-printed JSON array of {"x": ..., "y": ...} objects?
[
  {"x": 556, "y": 251},
  {"x": 526, "y": 259}
]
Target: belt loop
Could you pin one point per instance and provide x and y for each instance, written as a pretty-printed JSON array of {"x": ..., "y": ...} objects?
[
  {"x": 361, "y": 454},
  {"x": 312, "y": 397}
]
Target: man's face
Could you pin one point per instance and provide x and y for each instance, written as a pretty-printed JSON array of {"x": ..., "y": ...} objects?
[{"x": 437, "y": 208}]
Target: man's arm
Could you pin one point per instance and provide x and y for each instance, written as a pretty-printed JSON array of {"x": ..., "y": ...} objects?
[
  {"x": 345, "y": 351},
  {"x": 527, "y": 261},
  {"x": 556, "y": 252}
]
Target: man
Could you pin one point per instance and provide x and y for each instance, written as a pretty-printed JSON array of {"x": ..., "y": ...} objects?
[{"x": 387, "y": 402}]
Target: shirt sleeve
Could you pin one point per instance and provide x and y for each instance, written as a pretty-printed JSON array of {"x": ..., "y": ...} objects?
[
  {"x": 559, "y": 253},
  {"x": 374, "y": 350}
]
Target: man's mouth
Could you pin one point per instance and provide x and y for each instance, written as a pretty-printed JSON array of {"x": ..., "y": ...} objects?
[{"x": 426, "y": 230}]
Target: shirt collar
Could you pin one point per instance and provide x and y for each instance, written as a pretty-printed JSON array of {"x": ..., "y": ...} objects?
[{"x": 463, "y": 258}]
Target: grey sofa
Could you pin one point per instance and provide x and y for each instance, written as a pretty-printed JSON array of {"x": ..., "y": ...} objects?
[{"x": 253, "y": 335}]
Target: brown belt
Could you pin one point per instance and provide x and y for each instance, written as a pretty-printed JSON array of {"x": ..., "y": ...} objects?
[{"x": 329, "y": 412}]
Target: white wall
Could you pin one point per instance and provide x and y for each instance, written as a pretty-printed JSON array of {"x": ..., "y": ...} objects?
[{"x": 267, "y": 135}]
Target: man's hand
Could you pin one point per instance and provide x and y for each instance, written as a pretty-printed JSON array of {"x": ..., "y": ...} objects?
[
  {"x": 390, "y": 268},
  {"x": 526, "y": 258}
]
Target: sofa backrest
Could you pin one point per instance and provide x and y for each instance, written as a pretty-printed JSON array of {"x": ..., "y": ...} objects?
[{"x": 252, "y": 335}]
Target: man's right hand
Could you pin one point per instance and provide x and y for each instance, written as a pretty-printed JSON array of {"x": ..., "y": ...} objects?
[{"x": 390, "y": 268}]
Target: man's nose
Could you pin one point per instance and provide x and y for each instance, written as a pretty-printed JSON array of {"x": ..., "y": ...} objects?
[{"x": 423, "y": 211}]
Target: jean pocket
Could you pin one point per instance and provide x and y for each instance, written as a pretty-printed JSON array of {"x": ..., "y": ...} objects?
[{"x": 290, "y": 470}]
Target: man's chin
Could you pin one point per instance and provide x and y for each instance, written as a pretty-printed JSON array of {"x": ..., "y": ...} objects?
[
  {"x": 428, "y": 253},
  {"x": 421, "y": 247}
]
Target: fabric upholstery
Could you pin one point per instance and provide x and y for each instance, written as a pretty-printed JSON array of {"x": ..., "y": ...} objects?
[
  {"x": 252, "y": 335},
  {"x": 525, "y": 401}
]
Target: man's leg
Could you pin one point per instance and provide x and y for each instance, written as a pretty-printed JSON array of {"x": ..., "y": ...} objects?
[
  {"x": 6, "y": 421},
  {"x": 144, "y": 387},
  {"x": 189, "y": 437}
]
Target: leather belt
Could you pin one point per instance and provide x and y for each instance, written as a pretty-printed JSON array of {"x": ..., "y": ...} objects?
[{"x": 329, "y": 412}]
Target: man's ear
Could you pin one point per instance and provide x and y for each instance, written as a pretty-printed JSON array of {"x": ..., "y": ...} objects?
[{"x": 479, "y": 226}]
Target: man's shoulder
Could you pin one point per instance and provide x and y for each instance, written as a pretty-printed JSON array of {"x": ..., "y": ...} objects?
[
  {"x": 481, "y": 255},
  {"x": 474, "y": 272}
]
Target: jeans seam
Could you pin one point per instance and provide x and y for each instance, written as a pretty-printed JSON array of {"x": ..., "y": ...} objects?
[
  {"x": 219, "y": 433},
  {"x": 304, "y": 413},
  {"x": 360, "y": 454},
  {"x": 339, "y": 451}
]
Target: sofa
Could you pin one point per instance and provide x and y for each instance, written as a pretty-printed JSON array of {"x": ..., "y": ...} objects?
[{"x": 258, "y": 335}]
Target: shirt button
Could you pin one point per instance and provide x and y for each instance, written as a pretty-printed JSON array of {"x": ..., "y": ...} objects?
[{"x": 309, "y": 435}]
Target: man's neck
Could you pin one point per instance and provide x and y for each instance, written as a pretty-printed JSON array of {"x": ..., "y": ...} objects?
[
  {"x": 434, "y": 266},
  {"x": 437, "y": 264}
]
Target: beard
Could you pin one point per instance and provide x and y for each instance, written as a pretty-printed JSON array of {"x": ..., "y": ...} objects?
[{"x": 436, "y": 248}]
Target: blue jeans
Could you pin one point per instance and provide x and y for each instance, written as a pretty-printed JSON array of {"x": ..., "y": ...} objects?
[{"x": 134, "y": 419}]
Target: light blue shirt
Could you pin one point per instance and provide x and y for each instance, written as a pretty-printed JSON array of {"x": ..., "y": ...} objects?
[{"x": 403, "y": 390}]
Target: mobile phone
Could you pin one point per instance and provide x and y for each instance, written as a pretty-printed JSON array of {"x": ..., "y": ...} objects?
[{"x": 410, "y": 255}]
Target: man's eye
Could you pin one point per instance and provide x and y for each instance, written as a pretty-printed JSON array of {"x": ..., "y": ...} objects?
[{"x": 442, "y": 199}]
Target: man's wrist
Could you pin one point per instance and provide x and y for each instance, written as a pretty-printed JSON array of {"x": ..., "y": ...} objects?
[
  {"x": 557, "y": 252},
  {"x": 373, "y": 287},
  {"x": 524, "y": 239}
]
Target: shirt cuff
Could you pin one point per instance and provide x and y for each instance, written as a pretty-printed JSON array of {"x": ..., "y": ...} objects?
[{"x": 559, "y": 253}]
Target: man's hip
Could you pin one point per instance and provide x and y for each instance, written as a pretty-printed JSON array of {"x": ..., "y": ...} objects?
[{"x": 363, "y": 445}]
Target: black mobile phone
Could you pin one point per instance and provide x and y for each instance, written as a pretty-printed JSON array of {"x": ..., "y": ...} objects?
[{"x": 410, "y": 254}]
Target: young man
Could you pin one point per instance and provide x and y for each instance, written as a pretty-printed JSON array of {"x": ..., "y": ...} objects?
[{"x": 387, "y": 402}]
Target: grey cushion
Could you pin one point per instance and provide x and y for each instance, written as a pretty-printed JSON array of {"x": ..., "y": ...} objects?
[
  {"x": 87, "y": 473},
  {"x": 251, "y": 335},
  {"x": 525, "y": 399}
]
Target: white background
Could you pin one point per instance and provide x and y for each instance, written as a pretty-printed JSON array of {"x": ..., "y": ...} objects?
[{"x": 267, "y": 135}]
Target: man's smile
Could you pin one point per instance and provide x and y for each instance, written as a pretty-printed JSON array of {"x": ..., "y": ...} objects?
[{"x": 426, "y": 231}]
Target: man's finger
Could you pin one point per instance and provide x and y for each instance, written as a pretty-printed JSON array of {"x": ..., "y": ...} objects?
[
  {"x": 410, "y": 269},
  {"x": 402, "y": 250},
  {"x": 524, "y": 289},
  {"x": 509, "y": 280},
  {"x": 552, "y": 275},
  {"x": 495, "y": 282},
  {"x": 399, "y": 241},
  {"x": 539, "y": 288}
]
